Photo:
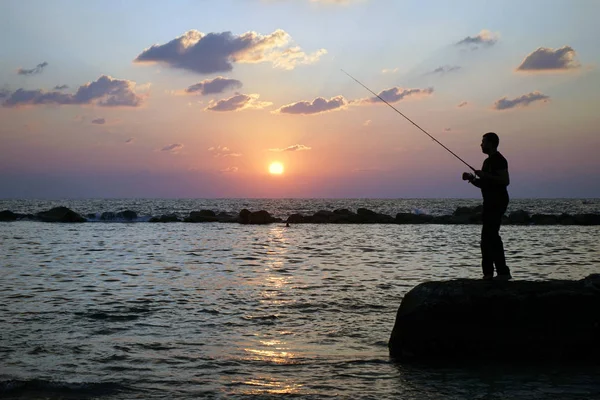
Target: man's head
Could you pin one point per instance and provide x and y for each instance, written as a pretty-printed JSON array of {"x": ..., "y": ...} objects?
[{"x": 489, "y": 143}]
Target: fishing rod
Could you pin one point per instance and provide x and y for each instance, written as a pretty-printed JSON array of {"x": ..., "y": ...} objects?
[{"x": 409, "y": 120}]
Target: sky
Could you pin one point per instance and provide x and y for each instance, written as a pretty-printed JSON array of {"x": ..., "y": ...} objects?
[{"x": 197, "y": 98}]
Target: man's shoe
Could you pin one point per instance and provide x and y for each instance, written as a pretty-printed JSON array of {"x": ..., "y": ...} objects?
[
  {"x": 503, "y": 277},
  {"x": 488, "y": 277}
]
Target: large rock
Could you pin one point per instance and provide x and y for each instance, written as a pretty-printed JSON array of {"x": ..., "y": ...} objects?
[
  {"x": 516, "y": 320},
  {"x": 60, "y": 214},
  {"x": 127, "y": 215},
  {"x": 202, "y": 216},
  {"x": 257, "y": 217},
  {"x": 519, "y": 217},
  {"x": 7, "y": 215}
]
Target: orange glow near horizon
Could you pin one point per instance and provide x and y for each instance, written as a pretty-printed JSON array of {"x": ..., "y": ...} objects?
[{"x": 276, "y": 168}]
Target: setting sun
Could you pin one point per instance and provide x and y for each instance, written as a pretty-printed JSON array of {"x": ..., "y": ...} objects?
[{"x": 276, "y": 168}]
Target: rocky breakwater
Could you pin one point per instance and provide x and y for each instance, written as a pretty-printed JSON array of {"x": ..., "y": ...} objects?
[
  {"x": 532, "y": 321},
  {"x": 462, "y": 215}
]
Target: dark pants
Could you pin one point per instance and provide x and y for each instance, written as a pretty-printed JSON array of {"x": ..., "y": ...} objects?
[{"x": 492, "y": 248}]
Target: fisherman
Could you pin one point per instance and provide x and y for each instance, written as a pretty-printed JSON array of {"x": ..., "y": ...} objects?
[{"x": 492, "y": 179}]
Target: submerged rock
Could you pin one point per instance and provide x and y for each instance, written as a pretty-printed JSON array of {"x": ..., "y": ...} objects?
[
  {"x": 165, "y": 218},
  {"x": 489, "y": 320},
  {"x": 60, "y": 214}
]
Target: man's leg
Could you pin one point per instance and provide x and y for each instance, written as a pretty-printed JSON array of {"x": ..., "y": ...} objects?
[
  {"x": 499, "y": 258},
  {"x": 487, "y": 245}
]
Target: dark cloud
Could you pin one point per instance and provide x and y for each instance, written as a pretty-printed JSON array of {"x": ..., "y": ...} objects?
[
  {"x": 445, "y": 69},
  {"x": 395, "y": 94},
  {"x": 447, "y": 129},
  {"x": 172, "y": 148},
  {"x": 545, "y": 59},
  {"x": 60, "y": 87},
  {"x": 483, "y": 38},
  {"x": 99, "y": 121},
  {"x": 211, "y": 86},
  {"x": 296, "y": 147},
  {"x": 37, "y": 70},
  {"x": 130, "y": 140},
  {"x": 238, "y": 102},
  {"x": 521, "y": 101},
  {"x": 106, "y": 92},
  {"x": 216, "y": 52},
  {"x": 462, "y": 104},
  {"x": 4, "y": 93},
  {"x": 318, "y": 105}
]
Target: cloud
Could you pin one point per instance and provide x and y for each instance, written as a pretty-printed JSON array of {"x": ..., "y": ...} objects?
[
  {"x": 389, "y": 70},
  {"x": 395, "y": 94},
  {"x": 483, "y": 38},
  {"x": 296, "y": 147},
  {"x": 37, "y": 70},
  {"x": 60, "y": 87},
  {"x": 545, "y": 59},
  {"x": 521, "y": 101},
  {"x": 105, "y": 92},
  {"x": 130, "y": 140},
  {"x": 229, "y": 170},
  {"x": 237, "y": 103},
  {"x": 4, "y": 93},
  {"x": 462, "y": 104},
  {"x": 216, "y": 85},
  {"x": 445, "y": 69},
  {"x": 172, "y": 148},
  {"x": 217, "y": 52},
  {"x": 223, "y": 151},
  {"x": 317, "y": 106},
  {"x": 99, "y": 121},
  {"x": 367, "y": 122}
]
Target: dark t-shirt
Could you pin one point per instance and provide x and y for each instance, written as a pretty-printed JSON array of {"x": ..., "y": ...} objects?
[{"x": 494, "y": 192}]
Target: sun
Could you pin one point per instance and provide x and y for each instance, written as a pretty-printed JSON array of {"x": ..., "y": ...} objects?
[{"x": 276, "y": 168}]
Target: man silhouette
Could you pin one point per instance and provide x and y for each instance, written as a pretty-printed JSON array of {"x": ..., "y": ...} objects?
[{"x": 492, "y": 179}]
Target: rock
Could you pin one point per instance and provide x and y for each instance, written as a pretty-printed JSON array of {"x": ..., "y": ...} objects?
[
  {"x": 323, "y": 216},
  {"x": 366, "y": 212},
  {"x": 544, "y": 219},
  {"x": 466, "y": 215},
  {"x": 244, "y": 216},
  {"x": 60, "y": 214},
  {"x": 489, "y": 320},
  {"x": 127, "y": 215},
  {"x": 258, "y": 217},
  {"x": 566, "y": 219},
  {"x": 295, "y": 219},
  {"x": 587, "y": 219},
  {"x": 90, "y": 216},
  {"x": 467, "y": 210},
  {"x": 165, "y": 218},
  {"x": 202, "y": 216},
  {"x": 519, "y": 217},
  {"x": 410, "y": 218},
  {"x": 7, "y": 215},
  {"x": 107, "y": 216},
  {"x": 343, "y": 211}
]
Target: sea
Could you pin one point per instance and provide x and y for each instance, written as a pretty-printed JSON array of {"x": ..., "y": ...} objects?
[{"x": 139, "y": 310}]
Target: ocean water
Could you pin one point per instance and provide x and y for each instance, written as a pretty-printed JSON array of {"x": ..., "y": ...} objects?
[{"x": 137, "y": 310}]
